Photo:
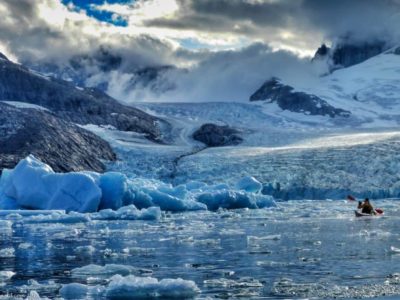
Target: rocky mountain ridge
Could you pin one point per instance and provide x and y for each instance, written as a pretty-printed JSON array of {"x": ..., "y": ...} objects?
[
  {"x": 64, "y": 146},
  {"x": 274, "y": 91},
  {"x": 71, "y": 103}
]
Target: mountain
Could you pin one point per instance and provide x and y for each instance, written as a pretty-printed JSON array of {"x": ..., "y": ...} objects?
[
  {"x": 347, "y": 52},
  {"x": 64, "y": 146},
  {"x": 71, "y": 103},
  {"x": 273, "y": 90},
  {"x": 365, "y": 93},
  {"x": 97, "y": 69}
]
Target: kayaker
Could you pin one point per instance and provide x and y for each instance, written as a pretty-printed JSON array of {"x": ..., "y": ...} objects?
[{"x": 366, "y": 207}]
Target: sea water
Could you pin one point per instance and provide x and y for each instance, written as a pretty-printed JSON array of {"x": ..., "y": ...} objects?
[{"x": 300, "y": 249}]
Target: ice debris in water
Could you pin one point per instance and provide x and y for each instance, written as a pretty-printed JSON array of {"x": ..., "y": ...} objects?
[
  {"x": 5, "y": 275},
  {"x": 395, "y": 250},
  {"x": 7, "y": 253},
  {"x": 107, "y": 270},
  {"x": 149, "y": 287},
  {"x": 33, "y": 184},
  {"x": 133, "y": 287}
]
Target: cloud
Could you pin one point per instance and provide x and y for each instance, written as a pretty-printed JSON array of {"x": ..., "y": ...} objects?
[
  {"x": 222, "y": 76},
  {"x": 222, "y": 49}
]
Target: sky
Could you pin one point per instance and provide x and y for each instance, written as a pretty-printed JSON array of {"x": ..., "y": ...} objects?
[{"x": 222, "y": 49}]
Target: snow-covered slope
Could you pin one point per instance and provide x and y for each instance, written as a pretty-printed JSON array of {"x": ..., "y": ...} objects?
[{"x": 369, "y": 90}]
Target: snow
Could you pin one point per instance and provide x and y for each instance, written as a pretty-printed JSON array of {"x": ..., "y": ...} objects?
[
  {"x": 24, "y": 105},
  {"x": 33, "y": 184}
]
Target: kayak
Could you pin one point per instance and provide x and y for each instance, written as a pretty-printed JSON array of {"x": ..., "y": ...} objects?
[{"x": 379, "y": 212}]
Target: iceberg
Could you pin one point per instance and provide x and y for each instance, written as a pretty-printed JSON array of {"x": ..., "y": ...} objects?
[
  {"x": 133, "y": 287},
  {"x": 230, "y": 199},
  {"x": 34, "y": 185},
  {"x": 249, "y": 184}
]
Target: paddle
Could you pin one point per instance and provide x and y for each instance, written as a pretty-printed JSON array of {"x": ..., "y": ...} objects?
[
  {"x": 351, "y": 198},
  {"x": 379, "y": 211}
]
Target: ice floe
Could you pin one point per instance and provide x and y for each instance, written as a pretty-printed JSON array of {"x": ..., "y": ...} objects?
[
  {"x": 133, "y": 287},
  {"x": 34, "y": 185}
]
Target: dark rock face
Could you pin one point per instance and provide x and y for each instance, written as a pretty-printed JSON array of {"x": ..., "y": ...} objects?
[
  {"x": 102, "y": 58},
  {"x": 397, "y": 51},
  {"x": 346, "y": 55},
  {"x": 287, "y": 99},
  {"x": 64, "y": 146},
  {"x": 82, "y": 106},
  {"x": 2, "y": 56},
  {"x": 151, "y": 78},
  {"x": 321, "y": 52},
  {"x": 216, "y": 136},
  {"x": 82, "y": 67}
]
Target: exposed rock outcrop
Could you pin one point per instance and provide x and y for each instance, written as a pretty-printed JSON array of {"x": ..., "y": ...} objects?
[
  {"x": 216, "y": 136},
  {"x": 346, "y": 53},
  {"x": 63, "y": 145},
  {"x": 288, "y": 99},
  {"x": 82, "y": 106}
]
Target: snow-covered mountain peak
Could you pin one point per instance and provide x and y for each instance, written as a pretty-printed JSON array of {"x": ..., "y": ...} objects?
[{"x": 368, "y": 90}]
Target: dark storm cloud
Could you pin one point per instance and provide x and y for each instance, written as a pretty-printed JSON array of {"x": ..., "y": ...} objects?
[
  {"x": 360, "y": 18},
  {"x": 222, "y": 15},
  {"x": 30, "y": 36},
  {"x": 208, "y": 74}
]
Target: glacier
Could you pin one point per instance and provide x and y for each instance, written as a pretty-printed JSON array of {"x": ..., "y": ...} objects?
[{"x": 34, "y": 185}]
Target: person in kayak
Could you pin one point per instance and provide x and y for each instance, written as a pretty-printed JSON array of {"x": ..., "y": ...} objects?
[{"x": 366, "y": 207}]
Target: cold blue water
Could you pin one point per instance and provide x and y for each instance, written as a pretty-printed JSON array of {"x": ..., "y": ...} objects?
[{"x": 301, "y": 249}]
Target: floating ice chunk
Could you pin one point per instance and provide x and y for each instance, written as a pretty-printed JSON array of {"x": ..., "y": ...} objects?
[
  {"x": 106, "y": 271},
  {"x": 7, "y": 253},
  {"x": 34, "y": 184},
  {"x": 5, "y": 225},
  {"x": 244, "y": 282},
  {"x": 25, "y": 246},
  {"x": 114, "y": 188},
  {"x": 28, "y": 213},
  {"x": 234, "y": 199},
  {"x": 5, "y": 275},
  {"x": 33, "y": 295},
  {"x": 74, "y": 291},
  {"x": 85, "y": 250},
  {"x": 129, "y": 212},
  {"x": 395, "y": 250},
  {"x": 132, "y": 287},
  {"x": 56, "y": 217},
  {"x": 249, "y": 184},
  {"x": 80, "y": 291},
  {"x": 155, "y": 197},
  {"x": 73, "y": 192},
  {"x": 194, "y": 185}
]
